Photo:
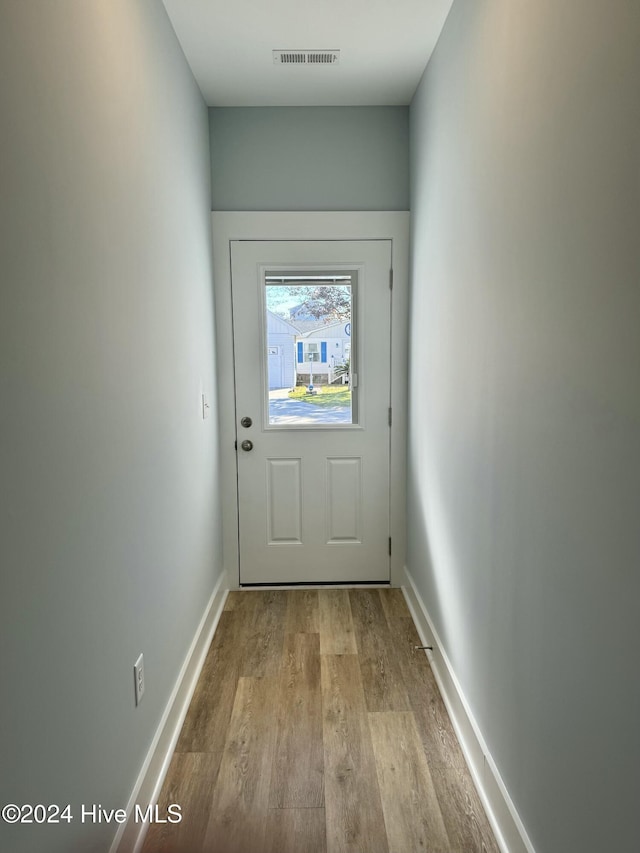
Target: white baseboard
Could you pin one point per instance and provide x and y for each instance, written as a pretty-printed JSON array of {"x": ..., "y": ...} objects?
[
  {"x": 130, "y": 835},
  {"x": 501, "y": 812}
]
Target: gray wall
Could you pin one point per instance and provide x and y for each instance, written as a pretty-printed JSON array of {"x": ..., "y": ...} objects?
[
  {"x": 524, "y": 441},
  {"x": 310, "y": 158},
  {"x": 109, "y": 541}
]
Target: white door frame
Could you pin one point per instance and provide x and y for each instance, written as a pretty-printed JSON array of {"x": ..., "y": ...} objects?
[{"x": 343, "y": 225}]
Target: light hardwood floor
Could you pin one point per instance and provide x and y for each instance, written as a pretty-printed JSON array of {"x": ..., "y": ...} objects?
[{"x": 316, "y": 727}]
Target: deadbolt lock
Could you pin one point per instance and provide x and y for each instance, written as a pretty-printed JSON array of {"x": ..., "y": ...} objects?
[{"x": 246, "y": 422}]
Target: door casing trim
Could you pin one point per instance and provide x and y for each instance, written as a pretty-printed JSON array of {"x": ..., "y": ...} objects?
[{"x": 311, "y": 225}]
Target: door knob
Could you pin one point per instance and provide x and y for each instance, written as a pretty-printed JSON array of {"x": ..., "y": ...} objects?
[
  {"x": 246, "y": 422},
  {"x": 247, "y": 445}
]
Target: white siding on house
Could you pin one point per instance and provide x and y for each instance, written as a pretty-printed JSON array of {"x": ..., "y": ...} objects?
[
  {"x": 281, "y": 352},
  {"x": 338, "y": 344}
]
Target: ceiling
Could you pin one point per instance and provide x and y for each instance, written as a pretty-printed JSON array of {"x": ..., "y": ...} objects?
[{"x": 384, "y": 47}]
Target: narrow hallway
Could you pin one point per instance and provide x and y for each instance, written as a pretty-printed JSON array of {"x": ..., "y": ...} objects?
[{"x": 317, "y": 726}]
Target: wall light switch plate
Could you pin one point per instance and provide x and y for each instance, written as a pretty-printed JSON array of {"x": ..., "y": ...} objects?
[{"x": 138, "y": 676}]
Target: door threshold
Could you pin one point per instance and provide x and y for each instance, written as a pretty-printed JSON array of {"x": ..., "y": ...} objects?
[{"x": 318, "y": 585}]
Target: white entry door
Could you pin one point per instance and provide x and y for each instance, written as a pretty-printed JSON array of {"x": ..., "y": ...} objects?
[{"x": 314, "y": 457}]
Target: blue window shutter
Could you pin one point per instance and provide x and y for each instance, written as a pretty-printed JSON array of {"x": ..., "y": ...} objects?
[
  {"x": 300, "y": 353},
  {"x": 323, "y": 352}
]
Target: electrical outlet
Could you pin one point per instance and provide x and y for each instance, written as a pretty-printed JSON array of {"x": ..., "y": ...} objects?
[{"x": 138, "y": 676}]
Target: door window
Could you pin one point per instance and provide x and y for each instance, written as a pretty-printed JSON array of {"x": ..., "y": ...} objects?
[{"x": 311, "y": 318}]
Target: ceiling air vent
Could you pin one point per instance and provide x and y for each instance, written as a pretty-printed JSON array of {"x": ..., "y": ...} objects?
[{"x": 306, "y": 57}]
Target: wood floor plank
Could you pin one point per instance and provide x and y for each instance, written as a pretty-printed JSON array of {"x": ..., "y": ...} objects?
[
  {"x": 355, "y": 820},
  {"x": 462, "y": 812},
  {"x": 296, "y": 831},
  {"x": 297, "y": 779},
  {"x": 241, "y": 599},
  {"x": 239, "y": 810},
  {"x": 189, "y": 782},
  {"x": 411, "y": 810},
  {"x": 336, "y": 624},
  {"x": 362, "y": 729},
  {"x": 383, "y": 685},
  {"x": 302, "y": 612},
  {"x": 205, "y": 725},
  {"x": 263, "y": 645},
  {"x": 434, "y": 726},
  {"x": 393, "y": 602}
]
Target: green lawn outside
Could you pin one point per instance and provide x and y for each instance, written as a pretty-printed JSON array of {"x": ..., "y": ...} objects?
[{"x": 327, "y": 396}]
